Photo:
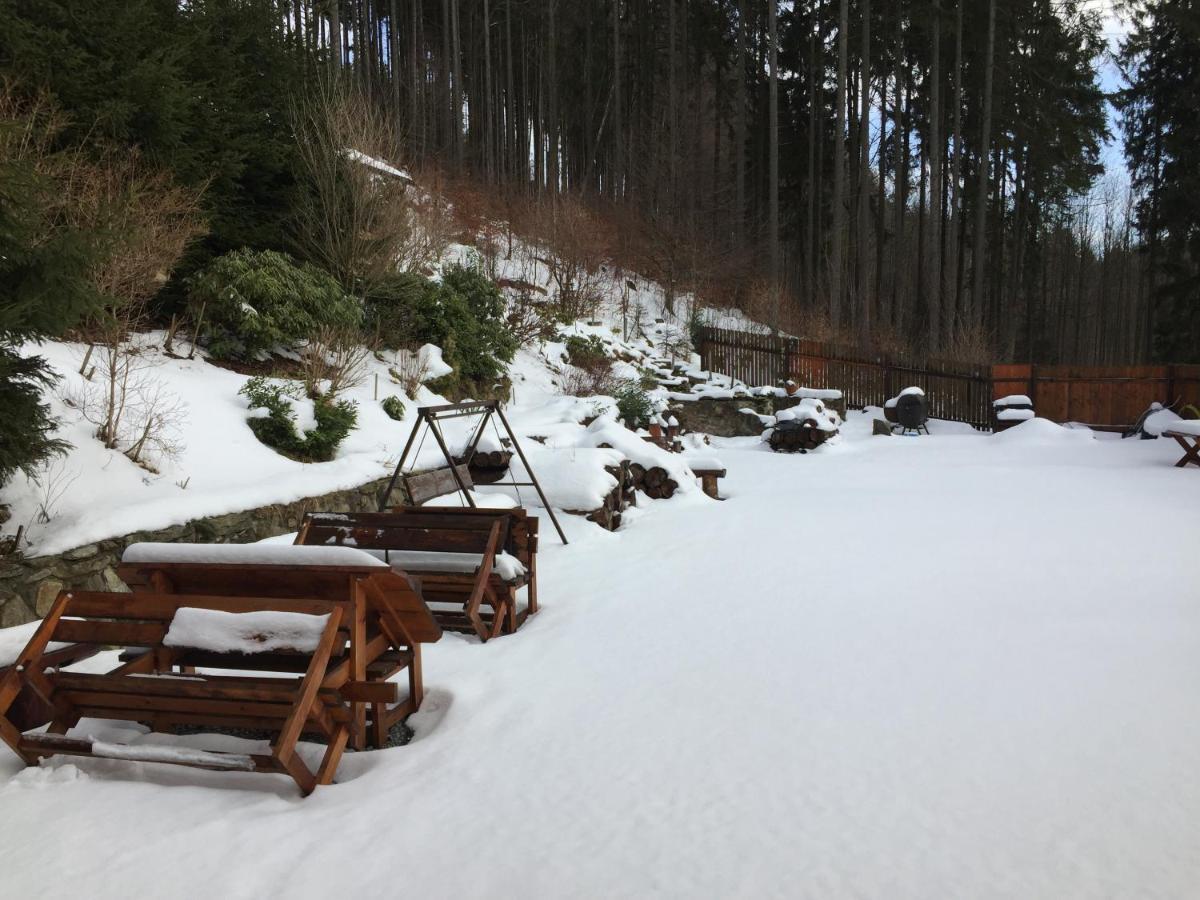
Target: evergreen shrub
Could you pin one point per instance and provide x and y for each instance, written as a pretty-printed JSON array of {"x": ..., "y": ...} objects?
[
  {"x": 250, "y": 302},
  {"x": 277, "y": 429}
]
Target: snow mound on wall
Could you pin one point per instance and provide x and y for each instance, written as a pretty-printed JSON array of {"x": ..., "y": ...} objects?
[{"x": 1042, "y": 431}]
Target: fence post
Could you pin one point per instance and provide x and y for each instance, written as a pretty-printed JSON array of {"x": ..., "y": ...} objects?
[
  {"x": 1170, "y": 399},
  {"x": 1033, "y": 385}
]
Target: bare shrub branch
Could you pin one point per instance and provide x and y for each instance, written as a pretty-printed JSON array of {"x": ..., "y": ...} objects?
[
  {"x": 359, "y": 216},
  {"x": 333, "y": 361}
]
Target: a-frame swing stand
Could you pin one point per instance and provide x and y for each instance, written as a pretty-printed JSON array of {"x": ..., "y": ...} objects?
[{"x": 428, "y": 417}]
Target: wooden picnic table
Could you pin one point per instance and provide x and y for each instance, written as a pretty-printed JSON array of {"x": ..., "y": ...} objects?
[{"x": 1187, "y": 434}]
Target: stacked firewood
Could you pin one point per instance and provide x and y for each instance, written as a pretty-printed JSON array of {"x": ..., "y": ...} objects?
[
  {"x": 608, "y": 515},
  {"x": 655, "y": 482},
  {"x": 488, "y": 466},
  {"x": 797, "y": 436}
]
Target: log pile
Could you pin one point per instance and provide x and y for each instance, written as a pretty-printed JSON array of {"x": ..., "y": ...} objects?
[
  {"x": 797, "y": 436},
  {"x": 655, "y": 482},
  {"x": 608, "y": 515},
  {"x": 488, "y": 466}
]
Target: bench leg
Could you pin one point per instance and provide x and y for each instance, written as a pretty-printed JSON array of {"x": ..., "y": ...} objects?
[
  {"x": 416, "y": 685},
  {"x": 1191, "y": 454},
  {"x": 333, "y": 755}
]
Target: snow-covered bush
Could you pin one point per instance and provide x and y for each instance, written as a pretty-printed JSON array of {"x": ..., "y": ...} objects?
[
  {"x": 247, "y": 303},
  {"x": 278, "y": 427},
  {"x": 464, "y": 315},
  {"x": 586, "y": 351},
  {"x": 394, "y": 407},
  {"x": 633, "y": 404}
]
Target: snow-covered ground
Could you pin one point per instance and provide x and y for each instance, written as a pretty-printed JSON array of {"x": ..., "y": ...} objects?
[{"x": 946, "y": 666}]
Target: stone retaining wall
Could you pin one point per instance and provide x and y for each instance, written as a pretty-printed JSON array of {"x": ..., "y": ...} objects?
[
  {"x": 723, "y": 416},
  {"x": 28, "y": 586}
]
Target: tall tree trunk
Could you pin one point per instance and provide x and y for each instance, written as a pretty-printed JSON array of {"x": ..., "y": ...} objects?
[
  {"x": 773, "y": 144},
  {"x": 457, "y": 92},
  {"x": 335, "y": 34},
  {"x": 743, "y": 103},
  {"x": 617, "y": 176},
  {"x": 839, "y": 173},
  {"x": 932, "y": 281},
  {"x": 489, "y": 105},
  {"x": 953, "y": 285},
  {"x": 864, "y": 179},
  {"x": 900, "y": 139},
  {"x": 981, "y": 192},
  {"x": 810, "y": 184},
  {"x": 552, "y": 96}
]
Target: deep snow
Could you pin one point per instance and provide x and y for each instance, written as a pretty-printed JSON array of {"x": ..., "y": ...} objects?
[{"x": 946, "y": 666}]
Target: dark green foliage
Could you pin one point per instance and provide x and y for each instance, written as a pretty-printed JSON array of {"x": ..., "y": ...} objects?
[
  {"x": 26, "y": 425},
  {"x": 464, "y": 315},
  {"x": 586, "y": 352},
  {"x": 391, "y": 305},
  {"x": 201, "y": 88},
  {"x": 277, "y": 429},
  {"x": 44, "y": 290},
  {"x": 394, "y": 407},
  {"x": 1162, "y": 144},
  {"x": 633, "y": 404},
  {"x": 695, "y": 325},
  {"x": 254, "y": 301}
]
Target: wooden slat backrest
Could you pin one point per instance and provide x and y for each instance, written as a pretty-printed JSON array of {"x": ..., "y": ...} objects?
[
  {"x": 143, "y": 619},
  {"x": 521, "y": 539},
  {"x": 331, "y": 584},
  {"x": 437, "y": 483},
  {"x": 432, "y": 532}
]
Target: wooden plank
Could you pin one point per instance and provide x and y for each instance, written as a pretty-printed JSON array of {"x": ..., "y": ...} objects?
[
  {"x": 111, "y": 633},
  {"x": 132, "y": 705},
  {"x": 145, "y": 606}
]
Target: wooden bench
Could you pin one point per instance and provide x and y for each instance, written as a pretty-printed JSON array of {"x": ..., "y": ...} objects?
[
  {"x": 385, "y": 617},
  {"x": 425, "y": 486},
  {"x": 145, "y": 690},
  {"x": 456, "y": 554},
  {"x": 709, "y": 471},
  {"x": 1189, "y": 441}
]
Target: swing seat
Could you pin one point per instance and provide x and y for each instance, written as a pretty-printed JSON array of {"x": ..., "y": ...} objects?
[{"x": 472, "y": 563}]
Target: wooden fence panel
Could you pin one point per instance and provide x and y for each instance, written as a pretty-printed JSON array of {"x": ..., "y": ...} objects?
[{"x": 1106, "y": 396}]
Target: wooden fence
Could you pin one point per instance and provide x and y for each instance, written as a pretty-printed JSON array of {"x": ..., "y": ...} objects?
[
  {"x": 1107, "y": 397},
  {"x": 1111, "y": 396}
]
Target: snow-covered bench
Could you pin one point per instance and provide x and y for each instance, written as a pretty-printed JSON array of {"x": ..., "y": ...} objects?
[
  {"x": 708, "y": 470},
  {"x": 466, "y": 559},
  {"x": 243, "y": 632},
  {"x": 387, "y": 618},
  {"x": 1011, "y": 410},
  {"x": 1186, "y": 433}
]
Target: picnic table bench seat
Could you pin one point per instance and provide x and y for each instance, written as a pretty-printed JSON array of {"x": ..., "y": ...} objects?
[
  {"x": 387, "y": 617},
  {"x": 146, "y": 689},
  {"x": 471, "y": 563}
]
